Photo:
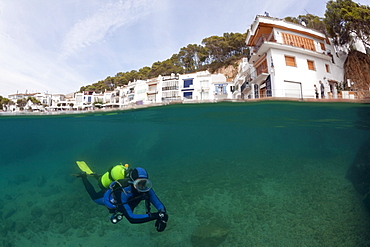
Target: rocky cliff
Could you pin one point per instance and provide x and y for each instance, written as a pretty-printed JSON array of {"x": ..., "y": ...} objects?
[{"x": 357, "y": 69}]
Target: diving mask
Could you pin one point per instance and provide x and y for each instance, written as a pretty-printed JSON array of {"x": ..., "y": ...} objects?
[{"x": 142, "y": 184}]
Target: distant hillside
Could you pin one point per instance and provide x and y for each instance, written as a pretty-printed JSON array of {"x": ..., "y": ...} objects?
[{"x": 214, "y": 53}]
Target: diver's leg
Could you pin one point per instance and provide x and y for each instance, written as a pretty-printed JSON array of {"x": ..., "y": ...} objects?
[{"x": 90, "y": 189}]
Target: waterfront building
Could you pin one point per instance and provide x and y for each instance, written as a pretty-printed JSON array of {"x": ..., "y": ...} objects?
[
  {"x": 241, "y": 76},
  {"x": 202, "y": 86},
  {"x": 17, "y": 96},
  {"x": 177, "y": 88},
  {"x": 223, "y": 88},
  {"x": 44, "y": 98},
  {"x": 153, "y": 89},
  {"x": 169, "y": 88},
  {"x": 287, "y": 60}
]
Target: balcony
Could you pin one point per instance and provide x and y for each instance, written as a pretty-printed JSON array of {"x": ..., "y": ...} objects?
[
  {"x": 267, "y": 41},
  {"x": 264, "y": 38},
  {"x": 245, "y": 87},
  {"x": 152, "y": 92},
  {"x": 220, "y": 96}
]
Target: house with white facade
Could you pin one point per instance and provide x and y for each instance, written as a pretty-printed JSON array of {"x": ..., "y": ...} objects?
[
  {"x": 204, "y": 86},
  {"x": 169, "y": 89},
  {"x": 17, "y": 96},
  {"x": 141, "y": 92},
  {"x": 153, "y": 88},
  {"x": 223, "y": 89},
  {"x": 238, "y": 81},
  {"x": 128, "y": 93},
  {"x": 175, "y": 87},
  {"x": 44, "y": 98},
  {"x": 287, "y": 60},
  {"x": 86, "y": 100}
]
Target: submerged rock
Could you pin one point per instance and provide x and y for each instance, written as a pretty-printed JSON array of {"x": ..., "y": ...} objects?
[{"x": 208, "y": 236}]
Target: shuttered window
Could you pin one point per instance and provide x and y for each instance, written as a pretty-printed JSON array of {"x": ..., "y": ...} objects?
[
  {"x": 298, "y": 41},
  {"x": 327, "y": 68},
  {"x": 322, "y": 45},
  {"x": 311, "y": 65},
  {"x": 290, "y": 61}
]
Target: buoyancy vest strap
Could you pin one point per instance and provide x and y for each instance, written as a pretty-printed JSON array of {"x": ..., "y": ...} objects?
[
  {"x": 117, "y": 196},
  {"x": 147, "y": 205},
  {"x": 117, "y": 190}
]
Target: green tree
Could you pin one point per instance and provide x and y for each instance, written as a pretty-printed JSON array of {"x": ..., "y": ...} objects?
[
  {"x": 166, "y": 67},
  {"x": 34, "y": 100},
  {"x": 214, "y": 52},
  {"x": 346, "y": 20},
  {"x": 309, "y": 20},
  {"x": 192, "y": 57},
  {"x": 225, "y": 50},
  {"x": 216, "y": 48},
  {"x": 21, "y": 102},
  {"x": 4, "y": 102}
]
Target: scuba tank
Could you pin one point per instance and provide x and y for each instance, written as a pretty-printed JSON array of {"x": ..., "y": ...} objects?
[{"x": 113, "y": 174}]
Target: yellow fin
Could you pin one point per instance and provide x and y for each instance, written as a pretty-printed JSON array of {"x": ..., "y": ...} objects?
[{"x": 84, "y": 167}]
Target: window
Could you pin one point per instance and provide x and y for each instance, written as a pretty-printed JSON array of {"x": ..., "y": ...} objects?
[
  {"x": 298, "y": 41},
  {"x": 322, "y": 45},
  {"x": 188, "y": 95},
  {"x": 204, "y": 84},
  {"x": 290, "y": 61},
  {"x": 327, "y": 68},
  {"x": 311, "y": 65},
  {"x": 188, "y": 83},
  {"x": 261, "y": 68},
  {"x": 170, "y": 85}
]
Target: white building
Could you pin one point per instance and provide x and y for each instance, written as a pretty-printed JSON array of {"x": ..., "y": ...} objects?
[
  {"x": 153, "y": 89},
  {"x": 287, "y": 60},
  {"x": 204, "y": 86},
  {"x": 222, "y": 88},
  {"x": 17, "y": 96},
  {"x": 187, "y": 87},
  {"x": 86, "y": 100},
  {"x": 141, "y": 92},
  {"x": 169, "y": 88},
  {"x": 243, "y": 70},
  {"x": 44, "y": 98}
]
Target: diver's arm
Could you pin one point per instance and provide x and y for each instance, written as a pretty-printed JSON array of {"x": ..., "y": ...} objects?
[
  {"x": 137, "y": 218},
  {"x": 156, "y": 202}
]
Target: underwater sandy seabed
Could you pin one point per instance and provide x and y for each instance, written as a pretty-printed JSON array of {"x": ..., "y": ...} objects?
[
  {"x": 295, "y": 195},
  {"x": 285, "y": 205}
]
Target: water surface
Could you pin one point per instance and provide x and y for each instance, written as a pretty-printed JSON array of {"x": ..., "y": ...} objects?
[{"x": 270, "y": 173}]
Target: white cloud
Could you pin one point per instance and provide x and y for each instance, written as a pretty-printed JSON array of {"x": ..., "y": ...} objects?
[
  {"x": 33, "y": 45},
  {"x": 105, "y": 21},
  {"x": 61, "y": 45}
]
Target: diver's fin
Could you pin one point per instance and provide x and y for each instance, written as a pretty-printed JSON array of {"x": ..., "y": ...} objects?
[{"x": 84, "y": 167}]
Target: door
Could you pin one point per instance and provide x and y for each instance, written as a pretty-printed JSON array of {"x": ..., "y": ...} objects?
[{"x": 293, "y": 89}]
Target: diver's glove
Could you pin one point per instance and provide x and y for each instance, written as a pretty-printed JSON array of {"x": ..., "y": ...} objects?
[{"x": 161, "y": 222}]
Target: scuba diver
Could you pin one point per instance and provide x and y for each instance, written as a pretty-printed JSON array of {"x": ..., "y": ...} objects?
[{"x": 122, "y": 189}]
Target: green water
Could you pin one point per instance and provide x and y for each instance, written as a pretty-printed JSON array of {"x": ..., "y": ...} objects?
[{"x": 269, "y": 173}]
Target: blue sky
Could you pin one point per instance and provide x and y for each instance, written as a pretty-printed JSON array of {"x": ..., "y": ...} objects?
[{"x": 58, "y": 46}]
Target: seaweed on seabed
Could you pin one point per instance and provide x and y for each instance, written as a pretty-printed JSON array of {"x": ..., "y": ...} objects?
[{"x": 359, "y": 172}]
